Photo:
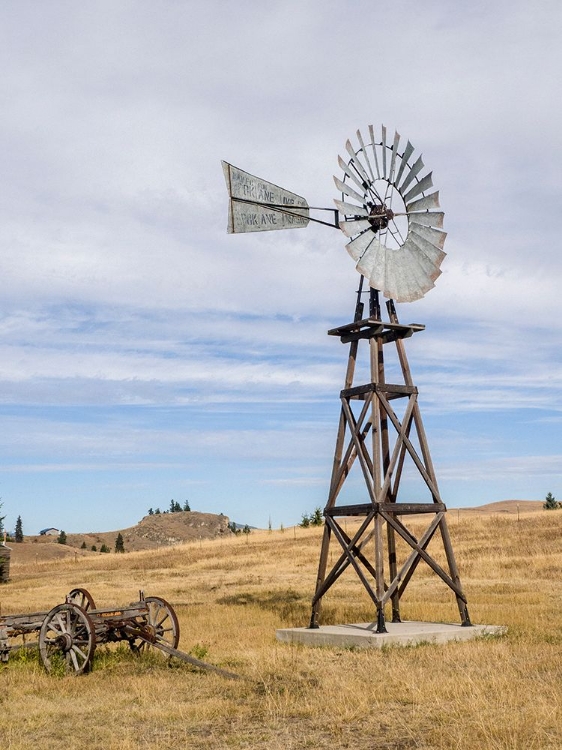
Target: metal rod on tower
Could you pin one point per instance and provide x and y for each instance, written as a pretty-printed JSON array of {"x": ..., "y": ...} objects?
[{"x": 374, "y": 304}]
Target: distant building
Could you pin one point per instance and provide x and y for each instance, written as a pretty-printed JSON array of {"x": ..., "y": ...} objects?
[{"x": 49, "y": 532}]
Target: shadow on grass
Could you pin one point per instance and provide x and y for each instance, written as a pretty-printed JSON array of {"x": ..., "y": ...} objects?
[{"x": 288, "y": 604}]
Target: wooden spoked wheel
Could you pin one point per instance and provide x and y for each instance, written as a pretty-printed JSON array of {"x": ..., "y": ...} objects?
[
  {"x": 82, "y": 598},
  {"x": 161, "y": 624},
  {"x": 67, "y": 639}
]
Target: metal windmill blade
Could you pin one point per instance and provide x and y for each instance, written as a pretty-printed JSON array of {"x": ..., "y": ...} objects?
[{"x": 387, "y": 211}]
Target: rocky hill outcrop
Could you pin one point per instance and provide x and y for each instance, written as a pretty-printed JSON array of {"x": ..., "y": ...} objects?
[{"x": 152, "y": 532}]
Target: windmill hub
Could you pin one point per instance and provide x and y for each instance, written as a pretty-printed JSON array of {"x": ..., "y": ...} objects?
[{"x": 380, "y": 216}]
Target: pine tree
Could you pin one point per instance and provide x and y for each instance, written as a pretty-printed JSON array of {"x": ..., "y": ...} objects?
[
  {"x": 186, "y": 506},
  {"x": 119, "y": 543},
  {"x": 104, "y": 548},
  {"x": 150, "y": 512},
  {"x": 317, "y": 519},
  {"x": 550, "y": 502},
  {"x": 19, "y": 530},
  {"x": 83, "y": 545},
  {"x": 246, "y": 529},
  {"x": 61, "y": 539},
  {"x": 305, "y": 521}
]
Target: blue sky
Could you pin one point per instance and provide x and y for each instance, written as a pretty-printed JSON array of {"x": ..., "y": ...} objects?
[{"x": 147, "y": 355}]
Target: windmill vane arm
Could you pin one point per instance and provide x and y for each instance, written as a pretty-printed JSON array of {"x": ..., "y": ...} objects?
[{"x": 286, "y": 209}]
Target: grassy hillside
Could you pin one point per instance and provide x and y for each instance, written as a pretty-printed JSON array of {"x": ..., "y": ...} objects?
[{"x": 230, "y": 595}]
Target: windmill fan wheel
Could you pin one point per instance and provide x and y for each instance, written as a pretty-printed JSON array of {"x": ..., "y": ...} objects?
[{"x": 390, "y": 216}]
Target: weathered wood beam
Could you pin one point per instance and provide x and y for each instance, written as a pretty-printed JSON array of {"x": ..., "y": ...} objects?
[
  {"x": 343, "y": 561},
  {"x": 428, "y": 559},
  {"x": 353, "y": 562},
  {"x": 411, "y": 560}
]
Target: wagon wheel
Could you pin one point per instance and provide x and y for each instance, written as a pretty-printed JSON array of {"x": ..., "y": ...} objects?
[
  {"x": 82, "y": 598},
  {"x": 67, "y": 637},
  {"x": 161, "y": 623}
]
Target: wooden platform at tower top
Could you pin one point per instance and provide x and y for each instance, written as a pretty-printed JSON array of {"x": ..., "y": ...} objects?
[{"x": 371, "y": 434}]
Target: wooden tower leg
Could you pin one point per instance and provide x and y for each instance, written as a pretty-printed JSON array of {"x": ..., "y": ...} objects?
[
  {"x": 317, "y": 602},
  {"x": 461, "y": 603},
  {"x": 379, "y": 571}
]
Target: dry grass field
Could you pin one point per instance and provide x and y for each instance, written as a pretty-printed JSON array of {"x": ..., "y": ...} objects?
[{"x": 231, "y": 595}]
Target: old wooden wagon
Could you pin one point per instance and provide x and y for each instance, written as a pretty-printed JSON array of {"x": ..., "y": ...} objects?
[{"x": 68, "y": 634}]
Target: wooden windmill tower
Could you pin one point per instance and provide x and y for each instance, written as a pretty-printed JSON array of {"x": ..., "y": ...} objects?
[{"x": 394, "y": 224}]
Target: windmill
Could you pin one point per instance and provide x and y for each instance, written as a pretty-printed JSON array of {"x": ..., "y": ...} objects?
[{"x": 392, "y": 219}]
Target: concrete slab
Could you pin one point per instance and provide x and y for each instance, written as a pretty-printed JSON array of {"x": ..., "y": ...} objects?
[{"x": 364, "y": 635}]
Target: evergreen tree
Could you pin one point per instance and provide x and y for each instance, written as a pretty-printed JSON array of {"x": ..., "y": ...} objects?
[
  {"x": 61, "y": 539},
  {"x": 550, "y": 502},
  {"x": 19, "y": 530},
  {"x": 305, "y": 521},
  {"x": 119, "y": 543},
  {"x": 104, "y": 548},
  {"x": 157, "y": 512},
  {"x": 94, "y": 548},
  {"x": 83, "y": 545},
  {"x": 246, "y": 529},
  {"x": 317, "y": 519},
  {"x": 186, "y": 506},
  {"x": 150, "y": 512}
]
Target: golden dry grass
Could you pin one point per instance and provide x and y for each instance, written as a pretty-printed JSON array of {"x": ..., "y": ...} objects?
[{"x": 230, "y": 596}]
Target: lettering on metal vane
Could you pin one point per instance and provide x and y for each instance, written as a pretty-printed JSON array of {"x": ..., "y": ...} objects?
[{"x": 256, "y": 205}]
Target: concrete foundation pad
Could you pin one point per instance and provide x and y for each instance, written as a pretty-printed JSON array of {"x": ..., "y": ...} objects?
[{"x": 364, "y": 635}]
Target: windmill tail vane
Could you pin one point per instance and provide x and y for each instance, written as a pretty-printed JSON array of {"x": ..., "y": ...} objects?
[{"x": 256, "y": 205}]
